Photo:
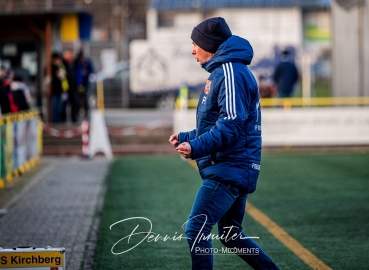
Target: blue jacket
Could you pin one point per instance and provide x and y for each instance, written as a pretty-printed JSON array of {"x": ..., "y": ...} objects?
[
  {"x": 285, "y": 75},
  {"x": 227, "y": 140}
]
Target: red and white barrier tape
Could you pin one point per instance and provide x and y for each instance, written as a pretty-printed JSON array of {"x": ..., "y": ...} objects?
[
  {"x": 62, "y": 133},
  {"x": 111, "y": 130},
  {"x": 85, "y": 139}
]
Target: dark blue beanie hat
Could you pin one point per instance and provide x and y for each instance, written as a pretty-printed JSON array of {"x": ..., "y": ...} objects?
[{"x": 210, "y": 33}]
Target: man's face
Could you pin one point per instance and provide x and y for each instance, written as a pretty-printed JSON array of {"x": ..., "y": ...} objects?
[
  {"x": 56, "y": 61},
  {"x": 200, "y": 55},
  {"x": 68, "y": 56}
]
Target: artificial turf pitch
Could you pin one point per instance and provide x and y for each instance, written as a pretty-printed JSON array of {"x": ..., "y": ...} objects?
[{"x": 320, "y": 199}]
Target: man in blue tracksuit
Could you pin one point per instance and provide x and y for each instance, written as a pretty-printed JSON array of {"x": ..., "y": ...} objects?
[{"x": 226, "y": 145}]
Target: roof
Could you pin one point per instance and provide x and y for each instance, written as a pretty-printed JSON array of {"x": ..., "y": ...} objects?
[
  {"x": 42, "y": 13},
  {"x": 215, "y": 4}
]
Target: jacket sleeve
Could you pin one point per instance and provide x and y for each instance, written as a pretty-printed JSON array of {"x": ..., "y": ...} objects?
[
  {"x": 186, "y": 136},
  {"x": 233, "y": 104}
]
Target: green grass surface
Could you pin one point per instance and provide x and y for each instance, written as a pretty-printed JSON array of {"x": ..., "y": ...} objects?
[
  {"x": 319, "y": 199},
  {"x": 322, "y": 200},
  {"x": 321, "y": 88}
]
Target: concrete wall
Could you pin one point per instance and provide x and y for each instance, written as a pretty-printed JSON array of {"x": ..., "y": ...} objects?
[
  {"x": 335, "y": 126},
  {"x": 350, "y": 50}
]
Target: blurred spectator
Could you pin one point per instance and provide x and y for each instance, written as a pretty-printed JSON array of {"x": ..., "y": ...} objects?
[
  {"x": 285, "y": 75},
  {"x": 73, "y": 98},
  {"x": 7, "y": 101},
  {"x": 4, "y": 100},
  {"x": 21, "y": 93},
  {"x": 266, "y": 88},
  {"x": 59, "y": 87},
  {"x": 83, "y": 69}
]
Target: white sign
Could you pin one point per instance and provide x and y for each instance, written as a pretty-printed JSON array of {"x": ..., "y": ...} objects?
[
  {"x": 29, "y": 62},
  {"x": 108, "y": 59},
  {"x": 33, "y": 258},
  {"x": 158, "y": 67},
  {"x": 10, "y": 50}
]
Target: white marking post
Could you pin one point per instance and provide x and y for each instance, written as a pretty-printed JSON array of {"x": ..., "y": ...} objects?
[{"x": 99, "y": 139}]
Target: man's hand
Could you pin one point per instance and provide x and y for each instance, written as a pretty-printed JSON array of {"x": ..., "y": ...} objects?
[
  {"x": 173, "y": 140},
  {"x": 184, "y": 149}
]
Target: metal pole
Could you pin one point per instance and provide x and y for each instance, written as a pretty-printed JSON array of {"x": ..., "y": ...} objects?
[
  {"x": 361, "y": 47},
  {"x": 125, "y": 51},
  {"x": 306, "y": 76},
  {"x": 183, "y": 101},
  {"x": 2, "y": 155},
  {"x": 48, "y": 66},
  {"x": 100, "y": 95}
]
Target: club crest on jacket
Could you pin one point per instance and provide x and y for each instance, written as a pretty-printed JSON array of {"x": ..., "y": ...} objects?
[{"x": 207, "y": 87}]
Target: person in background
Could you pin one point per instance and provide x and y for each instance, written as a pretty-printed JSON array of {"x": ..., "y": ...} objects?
[
  {"x": 83, "y": 69},
  {"x": 72, "y": 101},
  {"x": 4, "y": 99},
  {"x": 266, "y": 88},
  {"x": 21, "y": 93},
  {"x": 285, "y": 75},
  {"x": 226, "y": 145},
  {"x": 59, "y": 87},
  {"x": 7, "y": 101}
]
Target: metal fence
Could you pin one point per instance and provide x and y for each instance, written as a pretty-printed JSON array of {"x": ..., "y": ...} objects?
[{"x": 20, "y": 144}]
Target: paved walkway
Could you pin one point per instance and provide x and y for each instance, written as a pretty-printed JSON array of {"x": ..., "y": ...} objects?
[{"x": 57, "y": 207}]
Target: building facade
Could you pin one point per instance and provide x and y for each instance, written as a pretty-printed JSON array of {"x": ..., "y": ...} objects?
[{"x": 271, "y": 26}]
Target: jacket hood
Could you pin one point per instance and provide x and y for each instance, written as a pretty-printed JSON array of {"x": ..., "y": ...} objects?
[{"x": 234, "y": 49}]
